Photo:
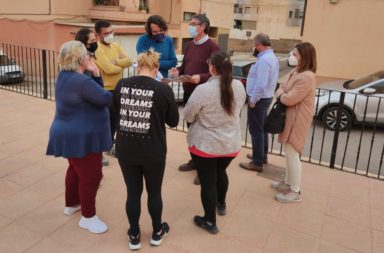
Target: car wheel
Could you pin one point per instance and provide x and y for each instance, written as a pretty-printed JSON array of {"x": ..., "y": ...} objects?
[{"x": 329, "y": 118}]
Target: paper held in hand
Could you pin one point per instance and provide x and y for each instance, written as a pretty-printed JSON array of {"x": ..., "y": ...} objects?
[{"x": 182, "y": 78}]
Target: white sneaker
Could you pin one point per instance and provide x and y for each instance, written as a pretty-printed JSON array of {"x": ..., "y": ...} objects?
[
  {"x": 134, "y": 242},
  {"x": 93, "y": 224},
  {"x": 288, "y": 197},
  {"x": 280, "y": 186},
  {"x": 69, "y": 210},
  {"x": 105, "y": 161},
  {"x": 112, "y": 151}
]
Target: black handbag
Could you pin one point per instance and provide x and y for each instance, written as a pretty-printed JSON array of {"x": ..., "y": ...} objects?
[{"x": 274, "y": 123}]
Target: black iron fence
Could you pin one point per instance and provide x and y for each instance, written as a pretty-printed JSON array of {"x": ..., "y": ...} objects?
[
  {"x": 29, "y": 71},
  {"x": 347, "y": 132}
]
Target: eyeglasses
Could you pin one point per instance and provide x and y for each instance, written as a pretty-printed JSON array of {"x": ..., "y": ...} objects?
[
  {"x": 194, "y": 24},
  {"x": 208, "y": 61}
]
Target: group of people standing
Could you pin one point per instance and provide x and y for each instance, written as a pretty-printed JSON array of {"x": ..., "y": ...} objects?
[{"x": 98, "y": 111}]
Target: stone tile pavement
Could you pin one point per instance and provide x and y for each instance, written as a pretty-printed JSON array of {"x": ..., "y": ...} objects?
[{"x": 340, "y": 212}]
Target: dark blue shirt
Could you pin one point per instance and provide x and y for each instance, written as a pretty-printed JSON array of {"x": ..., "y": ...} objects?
[
  {"x": 81, "y": 122},
  {"x": 166, "y": 49}
]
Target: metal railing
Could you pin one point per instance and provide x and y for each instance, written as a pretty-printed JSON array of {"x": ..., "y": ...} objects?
[
  {"x": 29, "y": 71},
  {"x": 347, "y": 132}
]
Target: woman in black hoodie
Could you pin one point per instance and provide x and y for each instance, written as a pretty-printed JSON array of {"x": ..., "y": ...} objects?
[{"x": 144, "y": 106}]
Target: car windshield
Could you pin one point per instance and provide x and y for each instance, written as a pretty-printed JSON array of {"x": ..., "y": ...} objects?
[
  {"x": 4, "y": 60},
  {"x": 364, "y": 80},
  {"x": 237, "y": 71},
  {"x": 240, "y": 68}
]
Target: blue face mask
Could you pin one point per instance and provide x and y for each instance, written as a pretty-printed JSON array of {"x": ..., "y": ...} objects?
[
  {"x": 159, "y": 37},
  {"x": 192, "y": 31}
]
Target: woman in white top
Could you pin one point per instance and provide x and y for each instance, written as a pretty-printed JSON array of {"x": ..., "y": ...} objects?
[{"x": 214, "y": 137}]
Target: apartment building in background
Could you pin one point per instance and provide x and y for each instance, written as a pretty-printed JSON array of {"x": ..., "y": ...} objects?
[
  {"x": 49, "y": 23},
  {"x": 280, "y": 19}
]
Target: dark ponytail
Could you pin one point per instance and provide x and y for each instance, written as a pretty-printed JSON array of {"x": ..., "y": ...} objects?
[{"x": 223, "y": 65}]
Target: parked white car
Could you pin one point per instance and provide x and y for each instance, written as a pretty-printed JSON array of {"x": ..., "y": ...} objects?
[
  {"x": 10, "y": 72},
  {"x": 363, "y": 102}
]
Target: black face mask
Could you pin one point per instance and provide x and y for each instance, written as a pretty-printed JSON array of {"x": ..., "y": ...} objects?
[
  {"x": 159, "y": 37},
  {"x": 255, "y": 52},
  {"x": 92, "y": 47}
]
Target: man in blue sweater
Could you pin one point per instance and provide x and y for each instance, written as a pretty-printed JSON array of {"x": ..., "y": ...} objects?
[{"x": 159, "y": 41}]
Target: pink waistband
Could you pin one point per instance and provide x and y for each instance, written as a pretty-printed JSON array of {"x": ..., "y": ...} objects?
[{"x": 200, "y": 153}]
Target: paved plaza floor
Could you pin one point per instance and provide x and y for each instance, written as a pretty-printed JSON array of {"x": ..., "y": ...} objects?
[{"x": 340, "y": 212}]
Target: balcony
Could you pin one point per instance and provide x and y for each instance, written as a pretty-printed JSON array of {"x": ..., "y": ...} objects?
[
  {"x": 240, "y": 16},
  {"x": 123, "y": 10}
]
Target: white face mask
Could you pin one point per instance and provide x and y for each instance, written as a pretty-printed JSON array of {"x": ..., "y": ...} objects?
[
  {"x": 192, "y": 31},
  {"x": 108, "y": 39},
  {"x": 292, "y": 60}
]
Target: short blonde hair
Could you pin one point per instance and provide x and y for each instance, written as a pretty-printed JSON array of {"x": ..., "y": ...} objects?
[
  {"x": 71, "y": 53},
  {"x": 148, "y": 59}
]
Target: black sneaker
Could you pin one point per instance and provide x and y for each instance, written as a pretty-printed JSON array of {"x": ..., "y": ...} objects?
[
  {"x": 221, "y": 209},
  {"x": 157, "y": 238},
  {"x": 134, "y": 241},
  {"x": 201, "y": 222}
]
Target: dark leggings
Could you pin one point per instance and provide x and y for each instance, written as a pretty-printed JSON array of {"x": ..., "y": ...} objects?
[
  {"x": 134, "y": 173},
  {"x": 214, "y": 183}
]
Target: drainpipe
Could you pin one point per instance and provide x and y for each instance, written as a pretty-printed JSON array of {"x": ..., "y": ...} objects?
[
  {"x": 303, "y": 22},
  {"x": 170, "y": 12}
]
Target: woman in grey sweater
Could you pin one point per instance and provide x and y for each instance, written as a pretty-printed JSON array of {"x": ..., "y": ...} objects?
[{"x": 214, "y": 137}]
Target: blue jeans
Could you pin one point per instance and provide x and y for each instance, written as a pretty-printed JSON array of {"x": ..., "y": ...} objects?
[{"x": 256, "y": 119}]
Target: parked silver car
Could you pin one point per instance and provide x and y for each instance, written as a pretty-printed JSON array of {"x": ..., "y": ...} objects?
[{"x": 363, "y": 102}]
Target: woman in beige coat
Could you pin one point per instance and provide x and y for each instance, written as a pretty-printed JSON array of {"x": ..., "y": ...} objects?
[{"x": 298, "y": 94}]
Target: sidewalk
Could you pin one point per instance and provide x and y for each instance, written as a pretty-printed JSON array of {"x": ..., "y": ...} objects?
[{"x": 340, "y": 212}]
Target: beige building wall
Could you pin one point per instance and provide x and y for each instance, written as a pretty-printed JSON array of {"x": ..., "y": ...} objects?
[
  {"x": 70, "y": 7},
  {"x": 219, "y": 12},
  {"x": 348, "y": 36},
  {"x": 273, "y": 20},
  {"x": 44, "y": 9},
  {"x": 36, "y": 7}
]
